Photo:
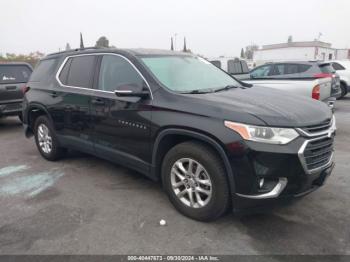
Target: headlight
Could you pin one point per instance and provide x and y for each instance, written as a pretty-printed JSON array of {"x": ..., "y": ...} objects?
[{"x": 270, "y": 135}]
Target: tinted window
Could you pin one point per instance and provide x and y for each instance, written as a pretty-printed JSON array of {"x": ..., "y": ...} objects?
[
  {"x": 14, "y": 74},
  {"x": 288, "y": 69},
  {"x": 337, "y": 66},
  {"x": 116, "y": 71},
  {"x": 326, "y": 68},
  {"x": 234, "y": 67},
  {"x": 245, "y": 67},
  {"x": 44, "y": 70},
  {"x": 262, "y": 71},
  {"x": 81, "y": 71},
  {"x": 65, "y": 71},
  {"x": 216, "y": 63},
  {"x": 303, "y": 68}
]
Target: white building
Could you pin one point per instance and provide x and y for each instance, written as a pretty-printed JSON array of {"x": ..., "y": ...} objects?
[{"x": 299, "y": 51}]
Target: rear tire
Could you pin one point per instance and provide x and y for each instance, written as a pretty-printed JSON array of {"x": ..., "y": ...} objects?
[
  {"x": 210, "y": 192},
  {"x": 46, "y": 140}
]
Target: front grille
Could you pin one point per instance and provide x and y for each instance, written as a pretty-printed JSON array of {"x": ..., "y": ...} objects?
[
  {"x": 318, "y": 153},
  {"x": 318, "y": 128}
]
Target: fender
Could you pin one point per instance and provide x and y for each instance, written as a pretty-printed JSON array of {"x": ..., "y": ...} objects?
[
  {"x": 35, "y": 106},
  {"x": 199, "y": 136}
]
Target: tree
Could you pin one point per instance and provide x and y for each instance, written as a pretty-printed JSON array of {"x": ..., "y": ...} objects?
[
  {"x": 102, "y": 42},
  {"x": 242, "y": 53},
  {"x": 290, "y": 39},
  {"x": 249, "y": 50},
  {"x": 32, "y": 58},
  {"x": 68, "y": 47}
]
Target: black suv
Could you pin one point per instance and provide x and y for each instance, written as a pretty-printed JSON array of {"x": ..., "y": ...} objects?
[
  {"x": 215, "y": 143},
  {"x": 13, "y": 77}
]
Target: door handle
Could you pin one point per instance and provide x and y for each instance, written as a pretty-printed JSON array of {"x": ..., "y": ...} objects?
[
  {"x": 54, "y": 94},
  {"x": 98, "y": 101}
]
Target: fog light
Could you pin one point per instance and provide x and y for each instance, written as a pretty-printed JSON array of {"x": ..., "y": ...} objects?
[{"x": 261, "y": 182}]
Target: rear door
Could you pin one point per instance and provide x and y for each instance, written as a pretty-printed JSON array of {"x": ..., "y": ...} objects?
[
  {"x": 12, "y": 79},
  {"x": 69, "y": 102}
]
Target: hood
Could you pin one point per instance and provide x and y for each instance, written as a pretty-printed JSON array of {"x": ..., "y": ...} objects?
[{"x": 273, "y": 107}]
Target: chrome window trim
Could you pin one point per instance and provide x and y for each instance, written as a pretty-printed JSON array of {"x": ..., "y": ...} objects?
[
  {"x": 302, "y": 158},
  {"x": 98, "y": 90},
  {"x": 330, "y": 130}
]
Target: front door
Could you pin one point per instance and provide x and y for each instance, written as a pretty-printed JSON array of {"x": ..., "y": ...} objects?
[{"x": 121, "y": 124}]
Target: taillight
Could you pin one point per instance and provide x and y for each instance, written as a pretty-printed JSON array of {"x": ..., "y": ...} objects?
[
  {"x": 323, "y": 75},
  {"x": 316, "y": 92},
  {"x": 25, "y": 89}
]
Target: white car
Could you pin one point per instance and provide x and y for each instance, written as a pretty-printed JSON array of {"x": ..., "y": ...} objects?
[{"x": 342, "y": 67}]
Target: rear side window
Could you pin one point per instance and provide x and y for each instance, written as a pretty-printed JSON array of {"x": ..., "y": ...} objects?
[
  {"x": 288, "y": 69},
  {"x": 234, "y": 67},
  {"x": 216, "y": 63},
  {"x": 245, "y": 67},
  {"x": 10, "y": 74},
  {"x": 326, "y": 68},
  {"x": 303, "y": 68},
  {"x": 78, "y": 71},
  {"x": 337, "y": 66},
  {"x": 44, "y": 70}
]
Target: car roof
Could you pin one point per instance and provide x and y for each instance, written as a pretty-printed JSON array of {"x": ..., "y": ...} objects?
[
  {"x": 132, "y": 51},
  {"x": 15, "y": 63}
]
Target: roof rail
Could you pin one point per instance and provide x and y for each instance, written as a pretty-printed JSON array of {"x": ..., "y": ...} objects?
[{"x": 77, "y": 49}]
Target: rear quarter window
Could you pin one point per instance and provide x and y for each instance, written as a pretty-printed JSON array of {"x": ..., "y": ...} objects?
[
  {"x": 10, "y": 74},
  {"x": 44, "y": 71}
]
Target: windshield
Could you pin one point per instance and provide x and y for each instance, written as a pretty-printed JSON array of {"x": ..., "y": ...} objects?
[{"x": 187, "y": 74}]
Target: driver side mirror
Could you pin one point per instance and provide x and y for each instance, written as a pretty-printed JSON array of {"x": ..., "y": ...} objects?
[{"x": 131, "y": 90}]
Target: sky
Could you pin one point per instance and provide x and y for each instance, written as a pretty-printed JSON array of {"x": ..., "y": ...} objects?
[{"x": 211, "y": 27}]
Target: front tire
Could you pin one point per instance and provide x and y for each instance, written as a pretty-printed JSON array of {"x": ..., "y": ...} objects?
[
  {"x": 195, "y": 180},
  {"x": 46, "y": 140}
]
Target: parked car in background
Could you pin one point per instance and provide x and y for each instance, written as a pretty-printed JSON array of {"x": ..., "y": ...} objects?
[
  {"x": 316, "y": 80},
  {"x": 13, "y": 76},
  {"x": 342, "y": 67},
  {"x": 232, "y": 65},
  {"x": 215, "y": 143}
]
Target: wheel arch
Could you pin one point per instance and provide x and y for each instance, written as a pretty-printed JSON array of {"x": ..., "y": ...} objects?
[
  {"x": 170, "y": 137},
  {"x": 33, "y": 112}
]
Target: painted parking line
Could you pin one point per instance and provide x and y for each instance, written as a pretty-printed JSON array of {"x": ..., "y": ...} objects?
[
  {"x": 6, "y": 171},
  {"x": 14, "y": 181}
]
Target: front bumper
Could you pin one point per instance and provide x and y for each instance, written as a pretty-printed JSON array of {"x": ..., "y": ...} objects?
[{"x": 266, "y": 174}]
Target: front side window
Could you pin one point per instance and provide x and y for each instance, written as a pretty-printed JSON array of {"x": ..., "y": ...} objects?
[
  {"x": 115, "y": 72},
  {"x": 10, "y": 74},
  {"x": 187, "y": 73},
  {"x": 262, "y": 71}
]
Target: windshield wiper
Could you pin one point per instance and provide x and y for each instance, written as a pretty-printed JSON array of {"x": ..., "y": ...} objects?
[
  {"x": 198, "y": 91},
  {"x": 226, "y": 88}
]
